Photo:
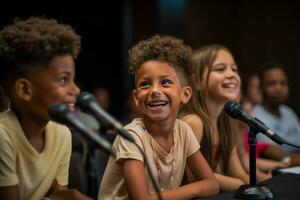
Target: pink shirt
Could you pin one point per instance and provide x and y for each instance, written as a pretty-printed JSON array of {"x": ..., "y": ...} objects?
[{"x": 260, "y": 146}]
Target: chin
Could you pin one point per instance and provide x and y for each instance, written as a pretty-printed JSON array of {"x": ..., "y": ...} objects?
[
  {"x": 231, "y": 98},
  {"x": 157, "y": 118}
]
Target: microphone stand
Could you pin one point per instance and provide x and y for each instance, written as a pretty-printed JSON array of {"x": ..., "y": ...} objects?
[{"x": 253, "y": 191}]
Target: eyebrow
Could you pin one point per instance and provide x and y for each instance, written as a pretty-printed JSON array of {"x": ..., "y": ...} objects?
[
  {"x": 162, "y": 76},
  {"x": 223, "y": 63}
]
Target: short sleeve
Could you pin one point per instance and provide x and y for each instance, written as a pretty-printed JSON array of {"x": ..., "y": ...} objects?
[
  {"x": 8, "y": 175},
  {"x": 125, "y": 149},
  {"x": 62, "y": 174}
]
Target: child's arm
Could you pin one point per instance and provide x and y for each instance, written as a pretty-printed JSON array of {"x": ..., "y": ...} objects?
[
  {"x": 135, "y": 177},
  {"x": 65, "y": 194},
  {"x": 268, "y": 165},
  {"x": 236, "y": 177},
  {"x": 60, "y": 192},
  {"x": 9, "y": 193},
  {"x": 7, "y": 168},
  {"x": 228, "y": 183},
  {"x": 206, "y": 183},
  {"x": 235, "y": 168},
  {"x": 137, "y": 184}
]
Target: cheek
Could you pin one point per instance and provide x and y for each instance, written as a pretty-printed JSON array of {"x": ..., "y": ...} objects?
[
  {"x": 286, "y": 91},
  {"x": 239, "y": 80},
  {"x": 56, "y": 96},
  {"x": 139, "y": 99},
  {"x": 269, "y": 91},
  {"x": 213, "y": 83}
]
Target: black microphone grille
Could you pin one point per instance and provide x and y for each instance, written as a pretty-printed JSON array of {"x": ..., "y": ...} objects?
[
  {"x": 84, "y": 99},
  {"x": 57, "y": 112},
  {"x": 233, "y": 109}
]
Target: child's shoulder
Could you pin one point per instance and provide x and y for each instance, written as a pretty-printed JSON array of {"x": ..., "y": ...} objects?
[
  {"x": 59, "y": 128},
  {"x": 136, "y": 126},
  {"x": 9, "y": 127},
  {"x": 8, "y": 120},
  {"x": 192, "y": 119},
  {"x": 182, "y": 126}
]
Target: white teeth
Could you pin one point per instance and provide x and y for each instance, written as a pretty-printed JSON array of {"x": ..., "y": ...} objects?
[
  {"x": 157, "y": 103},
  {"x": 230, "y": 85},
  {"x": 71, "y": 107}
]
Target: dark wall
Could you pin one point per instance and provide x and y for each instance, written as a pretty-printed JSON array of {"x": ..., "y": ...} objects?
[
  {"x": 99, "y": 24},
  {"x": 256, "y": 31}
]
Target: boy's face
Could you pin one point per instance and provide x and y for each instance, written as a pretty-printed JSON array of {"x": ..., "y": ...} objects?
[
  {"x": 52, "y": 85},
  {"x": 274, "y": 86},
  {"x": 158, "y": 92},
  {"x": 224, "y": 80}
]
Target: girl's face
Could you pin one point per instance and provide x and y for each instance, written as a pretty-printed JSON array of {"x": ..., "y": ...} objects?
[
  {"x": 223, "y": 79},
  {"x": 159, "y": 92}
]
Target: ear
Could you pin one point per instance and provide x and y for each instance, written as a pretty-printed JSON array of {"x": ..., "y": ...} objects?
[
  {"x": 134, "y": 95},
  {"x": 23, "y": 89},
  {"x": 186, "y": 94}
]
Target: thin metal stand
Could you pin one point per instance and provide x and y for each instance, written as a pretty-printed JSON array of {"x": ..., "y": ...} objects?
[{"x": 253, "y": 191}]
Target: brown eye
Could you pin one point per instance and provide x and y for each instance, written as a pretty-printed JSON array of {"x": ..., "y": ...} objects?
[
  {"x": 143, "y": 84},
  {"x": 235, "y": 69},
  {"x": 166, "y": 82},
  {"x": 218, "y": 67},
  {"x": 63, "y": 80}
]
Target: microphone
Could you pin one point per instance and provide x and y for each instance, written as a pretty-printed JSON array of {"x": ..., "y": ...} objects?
[
  {"x": 87, "y": 102},
  {"x": 61, "y": 114},
  {"x": 236, "y": 110}
]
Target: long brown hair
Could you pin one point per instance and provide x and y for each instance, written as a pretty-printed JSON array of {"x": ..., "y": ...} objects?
[{"x": 203, "y": 59}]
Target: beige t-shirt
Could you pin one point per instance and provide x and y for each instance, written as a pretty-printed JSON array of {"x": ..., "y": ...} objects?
[
  {"x": 185, "y": 144},
  {"x": 22, "y": 165}
]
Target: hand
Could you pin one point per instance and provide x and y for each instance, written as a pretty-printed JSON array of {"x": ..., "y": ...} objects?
[
  {"x": 71, "y": 194},
  {"x": 58, "y": 192},
  {"x": 263, "y": 176}
]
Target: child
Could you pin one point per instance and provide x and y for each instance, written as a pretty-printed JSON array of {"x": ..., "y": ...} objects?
[
  {"x": 37, "y": 68},
  {"x": 161, "y": 67},
  {"x": 275, "y": 114},
  {"x": 216, "y": 80}
]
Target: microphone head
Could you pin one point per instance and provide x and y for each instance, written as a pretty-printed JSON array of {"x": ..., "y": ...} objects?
[
  {"x": 58, "y": 112},
  {"x": 233, "y": 109},
  {"x": 84, "y": 99}
]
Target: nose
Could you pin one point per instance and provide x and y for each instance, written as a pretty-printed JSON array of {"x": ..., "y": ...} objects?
[
  {"x": 230, "y": 73},
  {"x": 155, "y": 90},
  {"x": 75, "y": 90},
  {"x": 279, "y": 87}
]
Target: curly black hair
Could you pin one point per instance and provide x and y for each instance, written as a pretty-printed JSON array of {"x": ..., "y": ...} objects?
[
  {"x": 34, "y": 42},
  {"x": 167, "y": 49},
  {"x": 266, "y": 66}
]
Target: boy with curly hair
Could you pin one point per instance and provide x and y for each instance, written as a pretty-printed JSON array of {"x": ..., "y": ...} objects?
[
  {"x": 161, "y": 66},
  {"x": 37, "y": 69}
]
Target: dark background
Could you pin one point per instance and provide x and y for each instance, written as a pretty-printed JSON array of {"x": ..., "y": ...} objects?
[{"x": 256, "y": 32}]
